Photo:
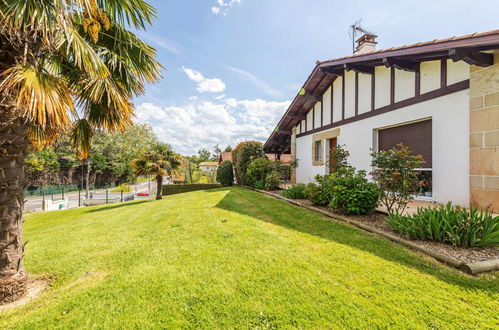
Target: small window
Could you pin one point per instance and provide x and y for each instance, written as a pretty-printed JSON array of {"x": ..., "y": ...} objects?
[{"x": 318, "y": 151}]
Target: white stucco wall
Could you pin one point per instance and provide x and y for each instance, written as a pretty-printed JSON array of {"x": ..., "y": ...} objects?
[
  {"x": 349, "y": 94},
  {"x": 405, "y": 85},
  {"x": 430, "y": 76},
  {"x": 450, "y": 120},
  {"x": 309, "y": 120},
  {"x": 326, "y": 98},
  {"x": 364, "y": 92},
  {"x": 382, "y": 84},
  {"x": 337, "y": 99},
  {"x": 317, "y": 114},
  {"x": 457, "y": 71}
]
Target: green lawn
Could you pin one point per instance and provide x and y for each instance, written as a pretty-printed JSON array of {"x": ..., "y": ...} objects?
[{"x": 232, "y": 258}]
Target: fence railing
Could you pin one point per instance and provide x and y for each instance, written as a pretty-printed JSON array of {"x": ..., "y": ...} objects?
[{"x": 62, "y": 189}]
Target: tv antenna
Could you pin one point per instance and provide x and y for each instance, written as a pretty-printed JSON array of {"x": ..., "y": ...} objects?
[{"x": 356, "y": 29}]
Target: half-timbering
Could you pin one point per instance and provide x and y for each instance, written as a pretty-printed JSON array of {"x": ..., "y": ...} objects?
[{"x": 440, "y": 98}]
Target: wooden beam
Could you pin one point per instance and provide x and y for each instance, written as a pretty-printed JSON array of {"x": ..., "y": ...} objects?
[
  {"x": 443, "y": 73},
  {"x": 471, "y": 56},
  {"x": 392, "y": 85},
  {"x": 449, "y": 89},
  {"x": 401, "y": 64},
  {"x": 296, "y": 116},
  {"x": 333, "y": 71},
  {"x": 359, "y": 68},
  {"x": 310, "y": 96},
  {"x": 283, "y": 132}
]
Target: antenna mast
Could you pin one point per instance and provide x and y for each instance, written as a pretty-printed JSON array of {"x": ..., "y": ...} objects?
[{"x": 354, "y": 30}]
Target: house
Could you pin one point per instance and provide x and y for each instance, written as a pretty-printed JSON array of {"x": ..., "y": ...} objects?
[
  {"x": 440, "y": 98},
  {"x": 208, "y": 167},
  {"x": 225, "y": 155}
]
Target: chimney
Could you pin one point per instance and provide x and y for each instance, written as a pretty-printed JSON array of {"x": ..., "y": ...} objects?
[{"x": 366, "y": 43}]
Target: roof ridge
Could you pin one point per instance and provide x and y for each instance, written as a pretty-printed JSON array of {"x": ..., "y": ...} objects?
[{"x": 421, "y": 43}]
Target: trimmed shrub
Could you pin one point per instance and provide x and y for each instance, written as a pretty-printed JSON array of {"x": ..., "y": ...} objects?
[
  {"x": 449, "y": 224},
  {"x": 316, "y": 194},
  {"x": 257, "y": 170},
  {"x": 394, "y": 172},
  {"x": 295, "y": 192},
  {"x": 272, "y": 180},
  {"x": 225, "y": 173},
  {"x": 352, "y": 193},
  {"x": 242, "y": 155}
]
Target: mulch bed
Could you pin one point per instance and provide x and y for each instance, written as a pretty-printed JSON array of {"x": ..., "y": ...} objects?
[{"x": 377, "y": 221}]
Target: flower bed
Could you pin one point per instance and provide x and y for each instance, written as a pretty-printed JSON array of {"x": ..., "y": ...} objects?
[{"x": 470, "y": 260}]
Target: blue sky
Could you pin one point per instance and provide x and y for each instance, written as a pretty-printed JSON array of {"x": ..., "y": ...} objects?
[{"x": 233, "y": 66}]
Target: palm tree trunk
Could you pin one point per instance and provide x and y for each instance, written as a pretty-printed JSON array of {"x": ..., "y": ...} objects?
[
  {"x": 159, "y": 187},
  {"x": 14, "y": 144}
]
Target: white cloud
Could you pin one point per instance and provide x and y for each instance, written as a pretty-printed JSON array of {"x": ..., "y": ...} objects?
[
  {"x": 222, "y": 6},
  {"x": 203, "y": 124},
  {"x": 205, "y": 85},
  {"x": 252, "y": 79}
]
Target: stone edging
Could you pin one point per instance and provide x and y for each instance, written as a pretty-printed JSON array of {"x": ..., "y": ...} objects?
[{"x": 470, "y": 268}]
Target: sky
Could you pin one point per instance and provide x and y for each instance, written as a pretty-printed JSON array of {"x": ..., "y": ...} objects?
[{"x": 232, "y": 67}]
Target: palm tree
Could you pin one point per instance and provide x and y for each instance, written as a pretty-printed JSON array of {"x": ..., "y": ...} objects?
[
  {"x": 64, "y": 65},
  {"x": 159, "y": 162}
]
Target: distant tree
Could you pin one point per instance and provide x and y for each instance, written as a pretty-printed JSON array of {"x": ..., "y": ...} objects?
[
  {"x": 160, "y": 161},
  {"x": 216, "y": 153},
  {"x": 203, "y": 155},
  {"x": 228, "y": 148}
]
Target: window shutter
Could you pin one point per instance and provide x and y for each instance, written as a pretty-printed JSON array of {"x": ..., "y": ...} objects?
[{"x": 416, "y": 136}]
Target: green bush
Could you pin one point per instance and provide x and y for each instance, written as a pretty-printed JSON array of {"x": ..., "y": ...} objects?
[
  {"x": 225, "y": 173},
  {"x": 259, "y": 185},
  {"x": 295, "y": 192},
  {"x": 257, "y": 170},
  {"x": 272, "y": 180},
  {"x": 316, "y": 194},
  {"x": 352, "y": 193},
  {"x": 394, "y": 172},
  {"x": 242, "y": 155},
  {"x": 449, "y": 224}
]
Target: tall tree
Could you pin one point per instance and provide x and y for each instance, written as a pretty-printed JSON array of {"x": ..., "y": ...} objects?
[
  {"x": 56, "y": 57},
  {"x": 161, "y": 161},
  {"x": 216, "y": 153}
]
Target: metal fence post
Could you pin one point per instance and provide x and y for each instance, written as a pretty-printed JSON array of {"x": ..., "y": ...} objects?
[
  {"x": 43, "y": 200},
  {"x": 106, "y": 196},
  {"x": 122, "y": 195},
  {"x": 79, "y": 197},
  {"x": 62, "y": 193}
]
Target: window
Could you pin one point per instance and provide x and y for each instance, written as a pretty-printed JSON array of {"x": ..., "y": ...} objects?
[
  {"x": 418, "y": 137},
  {"x": 318, "y": 151}
]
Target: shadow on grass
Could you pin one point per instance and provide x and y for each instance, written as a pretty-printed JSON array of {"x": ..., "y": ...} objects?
[
  {"x": 117, "y": 205},
  {"x": 271, "y": 210}
]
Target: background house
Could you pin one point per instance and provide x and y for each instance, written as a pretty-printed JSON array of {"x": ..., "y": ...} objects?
[
  {"x": 440, "y": 98},
  {"x": 208, "y": 167}
]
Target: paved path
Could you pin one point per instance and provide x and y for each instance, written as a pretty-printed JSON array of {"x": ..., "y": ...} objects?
[{"x": 34, "y": 204}]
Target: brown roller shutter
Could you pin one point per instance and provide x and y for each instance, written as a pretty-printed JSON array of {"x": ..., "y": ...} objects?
[{"x": 416, "y": 136}]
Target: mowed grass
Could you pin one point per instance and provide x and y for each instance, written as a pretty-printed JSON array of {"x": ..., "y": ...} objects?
[{"x": 232, "y": 258}]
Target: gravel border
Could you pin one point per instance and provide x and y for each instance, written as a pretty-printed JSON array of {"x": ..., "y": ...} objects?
[{"x": 428, "y": 248}]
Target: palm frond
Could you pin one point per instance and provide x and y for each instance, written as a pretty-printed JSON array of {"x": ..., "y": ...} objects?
[
  {"x": 81, "y": 135},
  {"x": 136, "y": 13},
  {"x": 43, "y": 97},
  {"x": 74, "y": 46}
]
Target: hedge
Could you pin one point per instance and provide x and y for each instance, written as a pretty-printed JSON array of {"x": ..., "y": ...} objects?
[{"x": 172, "y": 189}]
